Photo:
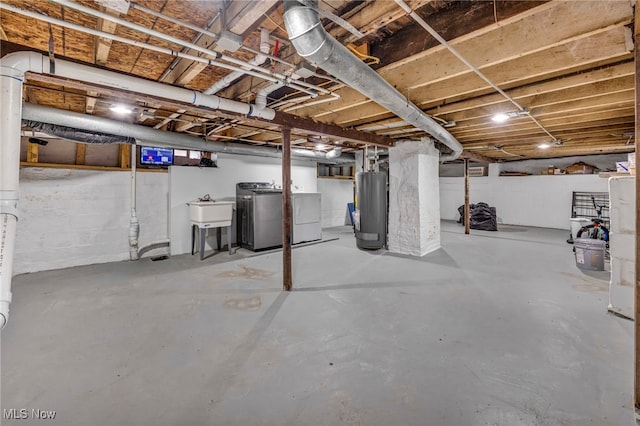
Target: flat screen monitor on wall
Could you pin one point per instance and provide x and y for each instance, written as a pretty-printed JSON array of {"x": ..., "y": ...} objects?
[{"x": 151, "y": 156}]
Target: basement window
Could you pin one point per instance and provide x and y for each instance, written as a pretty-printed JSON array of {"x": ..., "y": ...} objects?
[
  {"x": 180, "y": 152},
  {"x": 195, "y": 155}
]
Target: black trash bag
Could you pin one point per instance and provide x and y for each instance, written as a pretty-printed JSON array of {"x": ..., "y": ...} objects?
[{"x": 481, "y": 216}]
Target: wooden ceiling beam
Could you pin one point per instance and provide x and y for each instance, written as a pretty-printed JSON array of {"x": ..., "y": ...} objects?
[
  {"x": 374, "y": 16},
  {"x": 102, "y": 46},
  {"x": 319, "y": 129},
  {"x": 523, "y": 93},
  {"x": 475, "y": 17},
  {"x": 601, "y": 49},
  {"x": 600, "y": 91},
  {"x": 474, "y": 156},
  {"x": 568, "y": 108},
  {"x": 241, "y": 16},
  {"x": 518, "y": 36},
  {"x": 617, "y": 131},
  {"x": 560, "y": 118}
]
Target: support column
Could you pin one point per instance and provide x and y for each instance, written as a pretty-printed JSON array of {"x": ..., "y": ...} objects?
[
  {"x": 467, "y": 213},
  {"x": 414, "y": 198},
  {"x": 286, "y": 209},
  {"x": 636, "y": 393}
]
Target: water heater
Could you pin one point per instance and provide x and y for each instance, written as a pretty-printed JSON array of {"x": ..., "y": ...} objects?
[{"x": 370, "y": 216}]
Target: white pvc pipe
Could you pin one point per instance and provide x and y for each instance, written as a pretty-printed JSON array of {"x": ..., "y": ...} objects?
[
  {"x": 38, "y": 63},
  {"x": 183, "y": 43},
  {"x": 10, "y": 122},
  {"x": 259, "y": 59},
  {"x": 167, "y": 51},
  {"x": 134, "y": 223}
]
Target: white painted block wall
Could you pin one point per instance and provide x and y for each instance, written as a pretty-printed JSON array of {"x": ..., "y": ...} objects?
[
  {"x": 622, "y": 238},
  {"x": 543, "y": 201},
  {"x": 72, "y": 217},
  {"x": 336, "y": 194},
  {"x": 189, "y": 183},
  {"x": 79, "y": 217}
]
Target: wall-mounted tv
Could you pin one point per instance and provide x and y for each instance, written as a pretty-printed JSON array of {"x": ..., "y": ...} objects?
[{"x": 151, "y": 156}]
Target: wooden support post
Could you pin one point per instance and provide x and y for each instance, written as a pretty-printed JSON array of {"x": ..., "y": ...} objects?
[
  {"x": 32, "y": 153},
  {"x": 467, "y": 214},
  {"x": 286, "y": 209},
  {"x": 125, "y": 156},
  {"x": 636, "y": 393},
  {"x": 81, "y": 151}
]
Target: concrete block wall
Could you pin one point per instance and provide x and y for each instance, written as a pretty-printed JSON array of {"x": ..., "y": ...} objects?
[
  {"x": 622, "y": 239},
  {"x": 543, "y": 201},
  {"x": 336, "y": 194},
  {"x": 72, "y": 217},
  {"x": 79, "y": 217}
]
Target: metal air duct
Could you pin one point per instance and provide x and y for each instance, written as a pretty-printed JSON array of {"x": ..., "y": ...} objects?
[
  {"x": 314, "y": 44},
  {"x": 149, "y": 136}
]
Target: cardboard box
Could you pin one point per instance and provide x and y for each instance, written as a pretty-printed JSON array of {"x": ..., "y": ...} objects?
[{"x": 580, "y": 169}]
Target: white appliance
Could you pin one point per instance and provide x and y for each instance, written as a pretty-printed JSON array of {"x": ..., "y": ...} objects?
[
  {"x": 622, "y": 241},
  {"x": 306, "y": 217}
]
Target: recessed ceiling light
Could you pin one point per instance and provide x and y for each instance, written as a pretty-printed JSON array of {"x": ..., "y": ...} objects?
[
  {"x": 500, "y": 117},
  {"x": 121, "y": 109},
  {"x": 544, "y": 146}
]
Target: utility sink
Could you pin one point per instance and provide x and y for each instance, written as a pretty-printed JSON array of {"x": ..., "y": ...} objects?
[{"x": 213, "y": 213}]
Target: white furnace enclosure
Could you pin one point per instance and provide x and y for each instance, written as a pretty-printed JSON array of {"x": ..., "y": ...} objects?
[
  {"x": 189, "y": 183},
  {"x": 622, "y": 190}
]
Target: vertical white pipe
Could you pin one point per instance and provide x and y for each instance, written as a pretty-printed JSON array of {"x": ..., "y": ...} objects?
[
  {"x": 134, "y": 224},
  {"x": 10, "y": 120}
]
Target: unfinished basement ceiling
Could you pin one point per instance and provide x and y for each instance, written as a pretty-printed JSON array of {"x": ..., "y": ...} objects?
[{"x": 569, "y": 63}]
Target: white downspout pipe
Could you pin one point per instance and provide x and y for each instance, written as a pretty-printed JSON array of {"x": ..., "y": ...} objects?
[
  {"x": 258, "y": 60},
  {"x": 11, "y": 78},
  {"x": 313, "y": 43},
  {"x": 134, "y": 224}
]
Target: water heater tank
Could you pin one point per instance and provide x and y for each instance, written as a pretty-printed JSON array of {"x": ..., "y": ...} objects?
[{"x": 371, "y": 210}]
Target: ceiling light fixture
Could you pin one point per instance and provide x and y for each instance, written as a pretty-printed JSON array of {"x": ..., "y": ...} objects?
[
  {"x": 120, "y": 109},
  {"x": 501, "y": 117},
  {"x": 544, "y": 146}
]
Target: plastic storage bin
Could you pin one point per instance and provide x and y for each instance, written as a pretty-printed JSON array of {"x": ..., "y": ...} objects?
[{"x": 590, "y": 254}]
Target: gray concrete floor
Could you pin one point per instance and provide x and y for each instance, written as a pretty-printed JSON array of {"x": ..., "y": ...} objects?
[{"x": 493, "y": 329}]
